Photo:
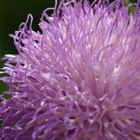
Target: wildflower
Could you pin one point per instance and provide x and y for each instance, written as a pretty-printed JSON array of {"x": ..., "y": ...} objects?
[{"x": 77, "y": 79}]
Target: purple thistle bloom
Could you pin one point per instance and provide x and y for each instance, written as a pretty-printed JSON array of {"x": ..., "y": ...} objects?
[{"x": 77, "y": 79}]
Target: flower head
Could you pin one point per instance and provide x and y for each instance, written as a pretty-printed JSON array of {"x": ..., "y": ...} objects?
[{"x": 76, "y": 79}]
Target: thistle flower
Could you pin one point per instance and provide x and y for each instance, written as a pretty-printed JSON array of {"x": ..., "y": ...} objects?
[{"x": 76, "y": 79}]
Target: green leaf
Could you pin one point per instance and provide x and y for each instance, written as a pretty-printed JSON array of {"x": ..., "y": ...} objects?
[
  {"x": 131, "y": 9},
  {"x": 7, "y": 96}
]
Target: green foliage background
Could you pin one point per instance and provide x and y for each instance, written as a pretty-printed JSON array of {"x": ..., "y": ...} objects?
[{"x": 12, "y": 13}]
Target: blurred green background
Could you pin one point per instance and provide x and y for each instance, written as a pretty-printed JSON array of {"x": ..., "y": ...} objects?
[{"x": 12, "y": 13}]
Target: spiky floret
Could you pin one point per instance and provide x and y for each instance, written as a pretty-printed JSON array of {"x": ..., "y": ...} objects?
[{"x": 77, "y": 79}]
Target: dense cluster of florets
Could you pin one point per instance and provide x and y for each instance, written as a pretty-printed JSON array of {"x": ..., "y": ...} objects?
[{"x": 77, "y": 79}]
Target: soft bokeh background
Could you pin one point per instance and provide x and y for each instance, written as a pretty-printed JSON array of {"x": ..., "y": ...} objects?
[{"x": 12, "y": 13}]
